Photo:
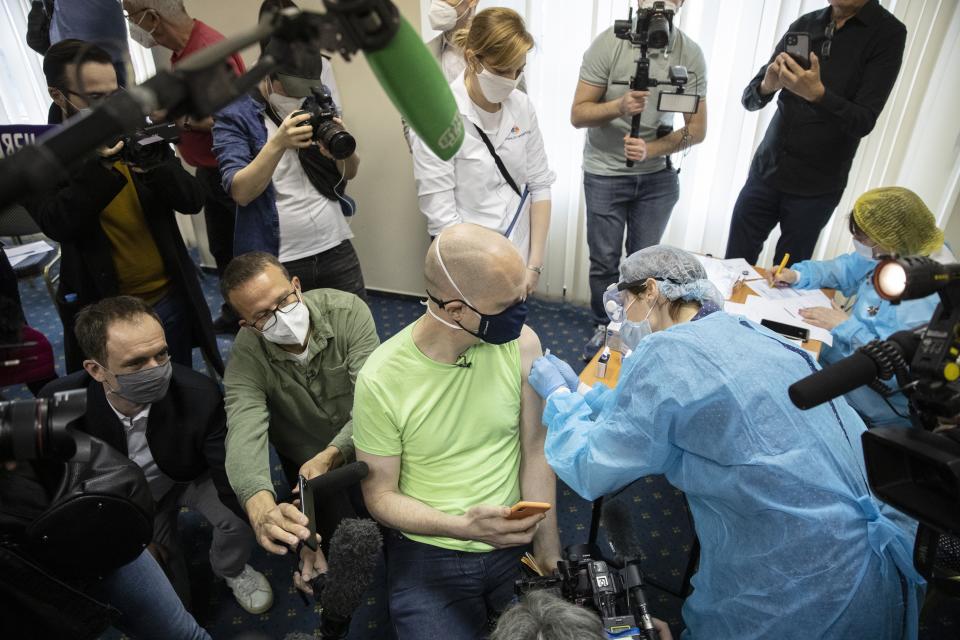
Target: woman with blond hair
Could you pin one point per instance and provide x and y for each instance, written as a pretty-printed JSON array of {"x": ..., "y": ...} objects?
[{"x": 499, "y": 178}]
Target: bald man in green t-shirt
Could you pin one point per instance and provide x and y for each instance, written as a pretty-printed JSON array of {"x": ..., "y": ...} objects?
[{"x": 450, "y": 428}]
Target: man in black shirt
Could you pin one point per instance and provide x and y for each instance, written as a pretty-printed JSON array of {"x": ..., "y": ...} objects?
[{"x": 800, "y": 169}]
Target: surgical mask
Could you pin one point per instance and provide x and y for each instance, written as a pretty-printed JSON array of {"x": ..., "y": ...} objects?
[
  {"x": 631, "y": 333},
  {"x": 284, "y": 105},
  {"x": 144, "y": 386},
  {"x": 863, "y": 250},
  {"x": 141, "y": 36},
  {"x": 291, "y": 327},
  {"x": 499, "y": 328},
  {"x": 442, "y": 16},
  {"x": 496, "y": 88}
]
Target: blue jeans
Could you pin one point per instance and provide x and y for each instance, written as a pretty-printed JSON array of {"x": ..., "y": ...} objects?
[
  {"x": 440, "y": 594},
  {"x": 177, "y": 321},
  {"x": 760, "y": 208},
  {"x": 149, "y": 607},
  {"x": 639, "y": 204}
]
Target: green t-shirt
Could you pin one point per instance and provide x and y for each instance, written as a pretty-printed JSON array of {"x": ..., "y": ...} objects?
[
  {"x": 456, "y": 429},
  {"x": 610, "y": 59}
]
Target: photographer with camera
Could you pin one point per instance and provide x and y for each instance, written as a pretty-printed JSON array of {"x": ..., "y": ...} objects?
[
  {"x": 285, "y": 158},
  {"x": 167, "y": 24},
  {"x": 885, "y": 221},
  {"x": 114, "y": 218},
  {"x": 170, "y": 420},
  {"x": 834, "y": 70},
  {"x": 638, "y": 199},
  {"x": 792, "y": 541}
]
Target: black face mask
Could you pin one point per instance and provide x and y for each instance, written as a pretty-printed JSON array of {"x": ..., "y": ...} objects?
[{"x": 499, "y": 328}]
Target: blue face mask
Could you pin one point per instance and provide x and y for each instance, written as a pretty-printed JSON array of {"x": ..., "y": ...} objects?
[
  {"x": 631, "y": 333},
  {"x": 498, "y": 328}
]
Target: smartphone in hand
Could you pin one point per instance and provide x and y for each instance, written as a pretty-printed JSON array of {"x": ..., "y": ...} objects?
[
  {"x": 524, "y": 509},
  {"x": 307, "y": 507},
  {"x": 797, "y": 44}
]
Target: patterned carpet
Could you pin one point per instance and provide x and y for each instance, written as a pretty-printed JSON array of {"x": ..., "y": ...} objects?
[{"x": 658, "y": 517}]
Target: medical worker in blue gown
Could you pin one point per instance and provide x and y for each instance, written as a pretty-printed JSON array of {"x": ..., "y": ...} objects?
[
  {"x": 884, "y": 221},
  {"x": 793, "y": 545}
]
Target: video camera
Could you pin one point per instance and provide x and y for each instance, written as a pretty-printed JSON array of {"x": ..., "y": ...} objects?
[
  {"x": 334, "y": 137},
  {"x": 915, "y": 469},
  {"x": 585, "y": 579},
  {"x": 38, "y": 429},
  {"x": 149, "y": 147}
]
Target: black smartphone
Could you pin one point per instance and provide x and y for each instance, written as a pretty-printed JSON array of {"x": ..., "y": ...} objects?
[
  {"x": 788, "y": 330},
  {"x": 307, "y": 507},
  {"x": 797, "y": 44}
]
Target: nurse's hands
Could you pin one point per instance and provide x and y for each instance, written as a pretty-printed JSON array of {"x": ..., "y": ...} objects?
[
  {"x": 825, "y": 317},
  {"x": 546, "y": 377},
  {"x": 570, "y": 376}
]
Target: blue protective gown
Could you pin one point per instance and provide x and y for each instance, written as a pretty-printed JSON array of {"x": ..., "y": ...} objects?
[
  {"x": 872, "y": 318},
  {"x": 793, "y": 544}
]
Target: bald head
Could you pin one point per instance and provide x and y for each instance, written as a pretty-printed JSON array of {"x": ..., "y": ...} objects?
[{"x": 485, "y": 266}]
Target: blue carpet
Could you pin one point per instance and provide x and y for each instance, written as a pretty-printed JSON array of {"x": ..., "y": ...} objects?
[{"x": 661, "y": 526}]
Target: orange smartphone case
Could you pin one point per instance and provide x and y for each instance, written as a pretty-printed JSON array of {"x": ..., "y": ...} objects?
[{"x": 525, "y": 509}]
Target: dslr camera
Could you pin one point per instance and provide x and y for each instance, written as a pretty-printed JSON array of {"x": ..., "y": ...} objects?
[
  {"x": 332, "y": 135},
  {"x": 585, "y": 579},
  {"x": 149, "y": 147},
  {"x": 654, "y": 24}
]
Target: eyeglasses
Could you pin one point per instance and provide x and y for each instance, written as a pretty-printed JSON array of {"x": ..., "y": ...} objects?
[
  {"x": 268, "y": 319},
  {"x": 92, "y": 98},
  {"x": 828, "y": 34},
  {"x": 131, "y": 16}
]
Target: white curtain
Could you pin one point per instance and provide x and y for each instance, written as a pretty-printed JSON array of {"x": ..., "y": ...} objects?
[
  {"x": 23, "y": 90},
  {"x": 915, "y": 142}
]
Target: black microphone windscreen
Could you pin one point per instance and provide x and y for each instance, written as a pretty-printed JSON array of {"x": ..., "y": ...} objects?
[
  {"x": 833, "y": 381},
  {"x": 354, "y": 550}
]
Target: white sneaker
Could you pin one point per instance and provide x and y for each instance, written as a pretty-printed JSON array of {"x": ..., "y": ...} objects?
[{"x": 252, "y": 590}]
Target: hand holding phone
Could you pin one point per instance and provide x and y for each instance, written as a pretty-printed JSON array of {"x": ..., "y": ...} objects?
[
  {"x": 307, "y": 507},
  {"x": 524, "y": 509},
  {"x": 797, "y": 45}
]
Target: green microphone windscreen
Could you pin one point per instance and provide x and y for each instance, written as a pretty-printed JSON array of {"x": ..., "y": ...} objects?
[{"x": 412, "y": 78}]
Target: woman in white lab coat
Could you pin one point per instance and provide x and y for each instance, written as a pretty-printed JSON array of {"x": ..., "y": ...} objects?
[{"x": 471, "y": 187}]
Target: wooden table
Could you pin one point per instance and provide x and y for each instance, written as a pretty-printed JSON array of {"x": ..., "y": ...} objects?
[{"x": 740, "y": 292}]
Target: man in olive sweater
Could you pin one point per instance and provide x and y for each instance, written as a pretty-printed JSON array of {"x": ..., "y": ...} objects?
[{"x": 289, "y": 380}]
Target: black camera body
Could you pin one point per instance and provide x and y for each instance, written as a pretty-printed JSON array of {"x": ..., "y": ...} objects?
[
  {"x": 585, "y": 579},
  {"x": 148, "y": 147},
  {"x": 332, "y": 135},
  {"x": 653, "y": 27}
]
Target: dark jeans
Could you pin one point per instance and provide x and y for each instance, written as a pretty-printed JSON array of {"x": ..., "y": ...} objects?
[
  {"x": 436, "y": 593},
  {"x": 639, "y": 204},
  {"x": 337, "y": 268},
  {"x": 219, "y": 213},
  {"x": 760, "y": 208},
  {"x": 177, "y": 320}
]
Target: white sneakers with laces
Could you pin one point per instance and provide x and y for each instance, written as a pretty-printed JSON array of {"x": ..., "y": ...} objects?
[{"x": 252, "y": 590}]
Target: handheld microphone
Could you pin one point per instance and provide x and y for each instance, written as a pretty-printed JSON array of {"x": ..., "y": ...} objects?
[
  {"x": 843, "y": 376},
  {"x": 354, "y": 551},
  {"x": 340, "y": 478}
]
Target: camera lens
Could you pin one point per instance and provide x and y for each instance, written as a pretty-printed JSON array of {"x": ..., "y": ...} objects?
[
  {"x": 791, "y": 39},
  {"x": 658, "y": 34},
  {"x": 37, "y": 429},
  {"x": 336, "y": 139}
]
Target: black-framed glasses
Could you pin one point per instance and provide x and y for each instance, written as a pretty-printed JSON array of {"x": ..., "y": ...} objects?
[
  {"x": 828, "y": 33},
  {"x": 130, "y": 16},
  {"x": 92, "y": 98},
  {"x": 268, "y": 319}
]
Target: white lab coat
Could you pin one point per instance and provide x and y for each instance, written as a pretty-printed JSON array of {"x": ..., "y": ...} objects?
[{"x": 469, "y": 187}]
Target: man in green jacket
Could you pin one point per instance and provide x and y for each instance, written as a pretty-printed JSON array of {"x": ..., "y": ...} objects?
[{"x": 290, "y": 380}]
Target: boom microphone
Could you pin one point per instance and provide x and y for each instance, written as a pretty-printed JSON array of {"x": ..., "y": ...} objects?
[
  {"x": 354, "y": 551},
  {"x": 843, "y": 376},
  {"x": 339, "y": 478}
]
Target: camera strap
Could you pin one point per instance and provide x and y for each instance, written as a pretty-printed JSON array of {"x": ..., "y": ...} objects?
[{"x": 506, "y": 176}]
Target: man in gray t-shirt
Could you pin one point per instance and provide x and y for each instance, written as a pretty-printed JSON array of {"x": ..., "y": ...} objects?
[{"x": 637, "y": 199}]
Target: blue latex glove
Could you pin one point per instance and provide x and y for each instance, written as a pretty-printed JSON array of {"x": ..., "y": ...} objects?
[
  {"x": 570, "y": 377},
  {"x": 546, "y": 377}
]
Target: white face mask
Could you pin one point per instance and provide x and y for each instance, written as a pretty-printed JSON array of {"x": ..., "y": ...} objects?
[
  {"x": 863, "y": 250},
  {"x": 442, "y": 16},
  {"x": 141, "y": 36},
  {"x": 496, "y": 88},
  {"x": 290, "y": 327},
  {"x": 284, "y": 105},
  {"x": 631, "y": 333}
]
